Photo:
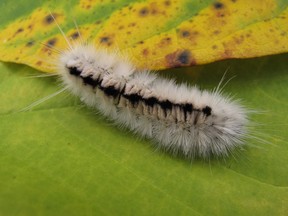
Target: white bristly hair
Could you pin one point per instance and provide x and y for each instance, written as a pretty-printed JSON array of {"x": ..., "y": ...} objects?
[{"x": 179, "y": 118}]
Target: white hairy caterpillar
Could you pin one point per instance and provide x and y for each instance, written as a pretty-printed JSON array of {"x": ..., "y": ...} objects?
[{"x": 179, "y": 118}]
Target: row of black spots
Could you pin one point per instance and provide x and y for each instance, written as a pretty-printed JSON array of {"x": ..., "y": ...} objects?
[
  {"x": 152, "y": 101},
  {"x": 136, "y": 98},
  {"x": 166, "y": 105}
]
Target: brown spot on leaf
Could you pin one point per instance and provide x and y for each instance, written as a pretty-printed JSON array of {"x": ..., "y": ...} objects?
[
  {"x": 144, "y": 12},
  {"x": 185, "y": 33},
  {"x": 239, "y": 40},
  {"x": 49, "y": 18},
  {"x": 30, "y": 43},
  {"x": 19, "y": 31},
  {"x": 218, "y": 5},
  {"x": 145, "y": 52},
  {"x": 39, "y": 63},
  {"x": 179, "y": 58},
  {"x": 75, "y": 35},
  {"x": 227, "y": 54},
  {"x": 214, "y": 47},
  {"x": 51, "y": 42},
  {"x": 167, "y": 3},
  {"x": 164, "y": 42},
  {"x": 106, "y": 40},
  {"x": 98, "y": 22},
  {"x": 132, "y": 24}
]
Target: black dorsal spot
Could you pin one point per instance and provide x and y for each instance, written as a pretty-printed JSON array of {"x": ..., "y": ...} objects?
[
  {"x": 188, "y": 108},
  {"x": 90, "y": 81},
  {"x": 133, "y": 98},
  {"x": 151, "y": 101},
  {"x": 207, "y": 110},
  {"x": 110, "y": 91},
  {"x": 166, "y": 105},
  {"x": 74, "y": 71}
]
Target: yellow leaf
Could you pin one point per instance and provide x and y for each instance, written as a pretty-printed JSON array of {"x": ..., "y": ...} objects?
[{"x": 154, "y": 34}]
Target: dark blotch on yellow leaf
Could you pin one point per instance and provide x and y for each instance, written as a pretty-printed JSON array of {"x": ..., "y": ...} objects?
[
  {"x": 185, "y": 33},
  {"x": 132, "y": 24},
  {"x": 39, "y": 63},
  {"x": 227, "y": 54},
  {"x": 218, "y": 5},
  {"x": 164, "y": 42},
  {"x": 179, "y": 58},
  {"x": 75, "y": 35},
  {"x": 19, "y": 31},
  {"x": 144, "y": 12},
  {"x": 98, "y": 22},
  {"x": 145, "y": 52},
  {"x": 49, "y": 19},
  {"x": 52, "y": 42},
  {"x": 167, "y": 3},
  {"x": 106, "y": 40},
  {"x": 30, "y": 43},
  {"x": 184, "y": 57}
]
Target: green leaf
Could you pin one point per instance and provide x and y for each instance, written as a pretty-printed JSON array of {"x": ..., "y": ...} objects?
[{"x": 63, "y": 159}]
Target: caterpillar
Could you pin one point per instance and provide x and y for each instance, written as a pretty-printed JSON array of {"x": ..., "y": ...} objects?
[{"x": 178, "y": 118}]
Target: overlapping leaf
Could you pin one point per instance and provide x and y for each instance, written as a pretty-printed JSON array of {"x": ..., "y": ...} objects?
[{"x": 154, "y": 34}]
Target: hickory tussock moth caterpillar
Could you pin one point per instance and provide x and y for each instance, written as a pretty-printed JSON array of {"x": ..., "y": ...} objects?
[{"x": 179, "y": 118}]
